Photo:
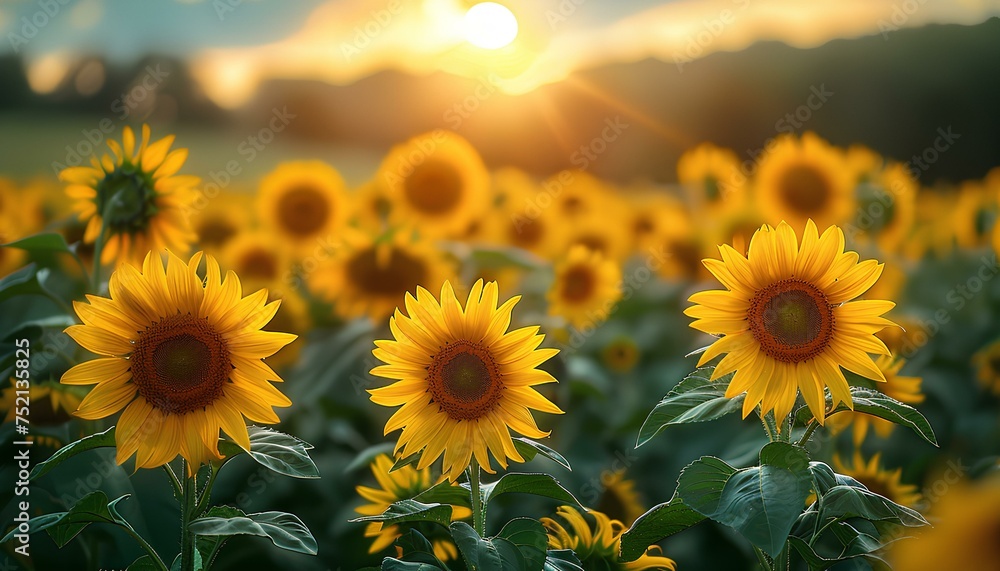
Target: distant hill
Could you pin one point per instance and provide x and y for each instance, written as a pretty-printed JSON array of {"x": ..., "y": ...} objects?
[{"x": 892, "y": 93}]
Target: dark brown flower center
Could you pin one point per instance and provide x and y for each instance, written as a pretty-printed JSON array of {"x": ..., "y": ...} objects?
[
  {"x": 804, "y": 189},
  {"x": 258, "y": 263},
  {"x": 434, "y": 187},
  {"x": 525, "y": 232},
  {"x": 578, "y": 284},
  {"x": 180, "y": 364},
  {"x": 464, "y": 380},
  {"x": 303, "y": 210},
  {"x": 400, "y": 274},
  {"x": 792, "y": 320},
  {"x": 215, "y": 231}
]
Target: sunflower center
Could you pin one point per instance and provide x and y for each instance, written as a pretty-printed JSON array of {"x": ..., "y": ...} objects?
[
  {"x": 303, "y": 210},
  {"x": 465, "y": 380},
  {"x": 126, "y": 199},
  {"x": 792, "y": 320},
  {"x": 870, "y": 195},
  {"x": 180, "y": 364},
  {"x": 712, "y": 189},
  {"x": 643, "y": 226},
  {"x": 258, "y": 263},
  {"x": 434, "y": 187},
  {"x": 215, "y": 231},
  {"x": 578, "y": 284},
  {"x": 593, "y": 242},
  {"x": 528, "y": 233},
  {"x": 402, "y": 272},
  {"x": 995, "y": 364},
  {"x": 804, "y": 189}
]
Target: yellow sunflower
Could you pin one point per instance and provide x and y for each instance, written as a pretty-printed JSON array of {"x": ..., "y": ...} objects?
[
  {"x": 975, "y": 215},
  {"x": 787, "y": 319},
  {"x": 304, "y": 203},
  {"x": 370, "y": 206},
  {"x": 964, "y": 534},
  {"x": 711, "y": 178},
  {"x": 462, "y": 379},
  {"x": 987, "y": 364},
  {"x": 887, "y": 206},
  {"x": 136, "y": 195},
  {"x": 402, "y": 484},
  {"x": 50, "y": 403},
  {"x": 598, "y": 546},
  {"x": 574, "y": 194},
  {"x": 621, "y": 355},
  {"x": 436, "y": 182},
  {"x": 259, "y": 260},
  {"x": 182, "y": 357},
  {"x": 620, "y": 501},
  {"x": 649, "y": 214},
  {"x": 735, "y": 227},
  {"x": 586, "y": 287},
  {"x": 804, "y": 179},
  {"x": 522, "y": 221},
  {"x": 677, "y": 248},
  {"x": 879, "y": 480},
  {"x": 221, "y": 218},
  {"x": 904, "y": 389},
  {"x": 933, "y": 232},
  {"x": 369, "y": 276},
  {"x": 593, "y": 231}
]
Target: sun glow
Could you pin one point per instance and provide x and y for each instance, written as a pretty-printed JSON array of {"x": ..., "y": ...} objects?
[{"x": 490, "y": 26}]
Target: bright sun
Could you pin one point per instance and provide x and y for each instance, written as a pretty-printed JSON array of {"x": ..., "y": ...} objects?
[{"x": 490, "y": 25}]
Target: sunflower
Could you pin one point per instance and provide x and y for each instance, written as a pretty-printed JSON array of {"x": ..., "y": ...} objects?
[
  {"x": 369, "y": 276},
  {"x": 136, "y": 196},
  {"x": 221, "y": 218},
  {"x": 574, "y": 194},
  {"x": 304, "y": 203},
  {"x": 621, "y": 355},
  {"x": 975, "y": 215},
  {"x": 987, "y": 364},
  {"x": 593, "y": 231},
  {"x": 904, "y": 389},
  {"x": 598, "y": 547},
  {"x": 620, "y": 501},
  {"x": 402, "y": 484},
  {"x": 879, "y": 480},
  {"x": 436, "y": 182},
  {"x": 681, "y": 248},
  {"x": 735, "y": 228},
  {"x": 586, "y": 287},
  {"x": 258, "y": 259},
  {"x": 964, "y": 535},
  {"x": 51, "y": 403},
  {"x": 805, "y": 179},
  {"x": 183, "y": 359},
  {"x": 10, "y": 230},
  {"x": 370, "y": 207},
  {"x": 788, "y": 321},
  {"x": 649, "y": 214},
  {"x": 711, "y": 178},
  {"x": 887, "y": 206},
  {"x": 463, "y": 379},
  {"x": 933, "y": 232},
  {"x": 522, "y": 222}
]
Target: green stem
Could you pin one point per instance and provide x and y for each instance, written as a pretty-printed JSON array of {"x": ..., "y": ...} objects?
[
  {"x": 187, "y": 509},
  {"x": 761, "y": 558},
  {"x": 808, "y": 433},
  {"x": 147, "y": 548},
  {"x": 174, "y": 482},
  {"x": 206, "y": 493},
  {"x": 478, "y": 510},
  {"x": 769, "y": 427},
  {"x": 781, "y": 562}
]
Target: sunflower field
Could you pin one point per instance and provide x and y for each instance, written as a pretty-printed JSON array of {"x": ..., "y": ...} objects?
[{"x": 257, "y": 315}]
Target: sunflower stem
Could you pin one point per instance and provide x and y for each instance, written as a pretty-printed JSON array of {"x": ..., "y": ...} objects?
[
  {"x": 157, "y": 562},
  {"x": 478, "y": 509},
  {"x": 761, "y": 558},
  {"x": 808, "y": 433},
  {"x": 188, "y": 498},
  {"x": 174, "y": 482},
  {"x": 769, "y": 426},
  {"x": 206, "y": 493}
]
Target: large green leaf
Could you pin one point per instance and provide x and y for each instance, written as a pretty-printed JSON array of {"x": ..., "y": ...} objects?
[
  {"x": 695, "y": 399},
  {"x": 285, "y": 530},
  {"x": 528, "y": 448},
  {"x": 100, "y": 440},
  {"x": 537, "y": 484},
  {"x": 208, "y": 544},
  {"x": 819, "y": 563},
  {"x": 445, "y": 493},
  {"x": 656, "y": 524},
  {"x": 144, "y": 563},
  {"x": 406, "y": 511},
  {"x": 49, "y": 242},
  {"x": 64, "y": 526},
  {"x": 496, "y": 553},
  {"x": 825, "y": 478},
  {"x": 762, "y": 503},
  {"x": 416, "y": 550},
  {"x": 22, "y": 282},
  {"x": 848, "y": 501},
  {"x": 561, "y": 560},
  {"x": 276, "y": 451},
  {"x": 390, "y": 564},
  {"x": 875, "y": 403},
  {"x": 529, "y": 536}
]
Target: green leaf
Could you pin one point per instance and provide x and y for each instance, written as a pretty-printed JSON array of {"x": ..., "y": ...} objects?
[
  {"x": 825, "y": 478},
  {"x": 401, "y": 462},
  {"x": 847, "y": 501},
  {"x": 445, "y": 493},
  {"x": 504, "y": 257},
  {"x": 405, "y": 511},
  {"x": 762, "y": 503},
  {"x": 879, "y": 404},
  {"x": 276, "y": 451},
  {"x": 62, "y": 527},
  {"x": 104, "y": 439},
  {"x": 695, "y": 399},
  {"x": 21, "y": 282},
  {"x": 656, "y": 524},
  {"x": 207, "y": 544},
  {"x": 285, "y": 530},
  {"x": 561, "y": 560},
  {"x": 49, "y": 242},
  {"x": 479, "y": 555},
  {"x": 528, "y": 448},
  {"x": 143, "y": 563},
  {"x": 366, "y": 457},
  {"x": 529, "y": 537},
  {"x": 416, "y": 549},
  {"x": 536, "y": 484},
  {"x": 390, "y": 564}
]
